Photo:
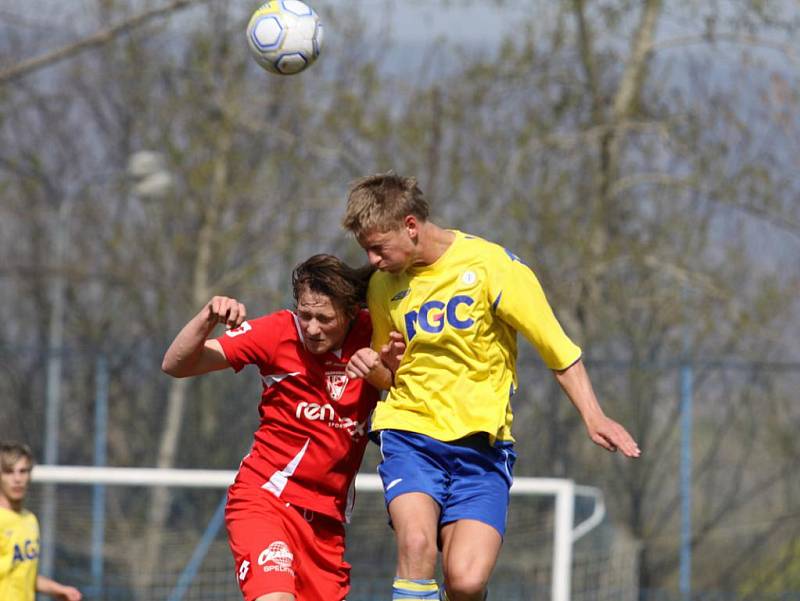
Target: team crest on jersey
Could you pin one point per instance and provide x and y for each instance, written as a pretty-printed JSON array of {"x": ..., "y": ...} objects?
[{"x": 336, "y": 382}]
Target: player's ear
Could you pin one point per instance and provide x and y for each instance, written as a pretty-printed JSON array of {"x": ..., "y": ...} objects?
[{"x": 411, "y": 226}]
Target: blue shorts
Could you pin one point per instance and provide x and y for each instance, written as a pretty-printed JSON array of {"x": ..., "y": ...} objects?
[{"x": 468, "y": 478}]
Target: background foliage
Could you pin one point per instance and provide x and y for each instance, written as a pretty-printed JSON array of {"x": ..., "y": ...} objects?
[{"x": 640, "y": 156}]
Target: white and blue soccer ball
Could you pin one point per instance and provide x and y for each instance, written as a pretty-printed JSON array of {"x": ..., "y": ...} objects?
[{"x": 284, "y": 36}]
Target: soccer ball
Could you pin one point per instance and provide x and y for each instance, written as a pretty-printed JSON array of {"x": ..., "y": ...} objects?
[{"x": 284, "y": 36}]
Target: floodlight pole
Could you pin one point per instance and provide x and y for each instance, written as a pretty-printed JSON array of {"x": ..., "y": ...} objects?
[
  {"x": 99, "y": 492},
  {"x": 158, "y": 181},
  {"x": 55, "y": 355},
  {"x": 687, "y": 385}
]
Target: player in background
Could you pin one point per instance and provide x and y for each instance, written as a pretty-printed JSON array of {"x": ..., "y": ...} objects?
[
  {"x": 286, "y": 508},
  {"x": 19, "y": 533},
  {"x": 457, "y": 302}
]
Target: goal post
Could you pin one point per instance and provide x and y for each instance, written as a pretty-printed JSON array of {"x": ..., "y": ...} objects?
[
  {"x": 564, "y": 492},
  {"x": 565, "y": 532}
]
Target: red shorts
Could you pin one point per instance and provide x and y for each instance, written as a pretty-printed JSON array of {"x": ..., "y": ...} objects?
[{"x": 280, "y": 548}]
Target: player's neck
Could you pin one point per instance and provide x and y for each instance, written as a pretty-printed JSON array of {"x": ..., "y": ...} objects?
[
  {"x": 433, "y": 243},
  {"x": 6, "y": 503}
]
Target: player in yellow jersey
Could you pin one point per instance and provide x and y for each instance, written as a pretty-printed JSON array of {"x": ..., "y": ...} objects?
[
  {"x": 19, "y": 533},
  {"x": 457, "y": 302}
]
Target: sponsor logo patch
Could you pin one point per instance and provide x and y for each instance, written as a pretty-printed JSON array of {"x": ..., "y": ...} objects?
[
  {"x": 28, "y": 551},
  {"x": 326, "y": 413},
  {"x": 434, "y": 315},
  {"x": 276, "y": 558}
]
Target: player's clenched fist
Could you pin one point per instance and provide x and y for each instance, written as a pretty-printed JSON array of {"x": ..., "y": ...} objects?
[
  {"x": 366, "y": 361},
  {"x": 227, "y": 311},
  {"x": 363, "y": 363}
]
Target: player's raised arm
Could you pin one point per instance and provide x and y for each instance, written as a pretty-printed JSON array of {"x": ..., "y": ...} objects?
[
  {"x": 191, "y": 353},
  {"x": 603, "y": 430}
]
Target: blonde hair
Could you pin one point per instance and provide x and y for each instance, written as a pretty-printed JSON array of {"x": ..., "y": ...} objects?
[
  {"x": 381, "y": 202},
  {"x": 11, "y": 452}
]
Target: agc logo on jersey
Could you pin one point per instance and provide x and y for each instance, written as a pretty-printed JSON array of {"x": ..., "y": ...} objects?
[{"x": 433, "y": 315}]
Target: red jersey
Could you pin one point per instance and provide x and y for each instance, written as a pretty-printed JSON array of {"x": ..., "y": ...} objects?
[{"x": 313, "y": 430}]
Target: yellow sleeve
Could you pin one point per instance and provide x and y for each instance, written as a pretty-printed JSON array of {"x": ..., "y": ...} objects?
[
  {"x": 378, "y": 306},
  {"x": 6, "y": 555},
  {"x": 519, "y": 300},
  {"x": 7, "y": 527}
]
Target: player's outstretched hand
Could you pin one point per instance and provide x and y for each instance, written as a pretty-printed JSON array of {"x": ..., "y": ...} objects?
[
  {"x": 610, "y": 435},
  {"x": 363, "y": 363},
  {"x": 392, "y": 352},
  {"x": 70, "y": 593},
  {"x": 227, "y": 311}
]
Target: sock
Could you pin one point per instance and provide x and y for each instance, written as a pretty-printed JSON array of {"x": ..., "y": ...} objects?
[{"x": 406, "y": 589}]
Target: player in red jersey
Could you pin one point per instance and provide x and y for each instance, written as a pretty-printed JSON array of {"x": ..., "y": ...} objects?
[{"x": 286, "y": 508}]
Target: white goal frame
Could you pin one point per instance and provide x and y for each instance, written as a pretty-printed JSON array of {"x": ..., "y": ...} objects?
[{"x": 566, "y": 532}]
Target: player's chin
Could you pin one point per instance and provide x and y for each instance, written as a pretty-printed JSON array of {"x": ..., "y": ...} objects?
[{"x": 318, "y": 347}]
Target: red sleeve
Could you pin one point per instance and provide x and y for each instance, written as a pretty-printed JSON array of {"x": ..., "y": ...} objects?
[
  {"x": 364, "y": 328},
  {"x": 360, "y": 335},
  {"x": 254, "y": 342}
]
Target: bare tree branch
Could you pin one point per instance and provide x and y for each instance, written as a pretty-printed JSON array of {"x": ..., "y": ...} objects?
[
  {"x": 100, "y": 38},
  {"x": 636, "y": 69},
  {"x": 588, "y": 60},
  {"x": 731, "y": 38}
]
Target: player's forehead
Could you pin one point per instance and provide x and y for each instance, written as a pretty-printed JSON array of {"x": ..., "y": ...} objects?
[
  {"x": 309, "y": 301},
  {"x": 20, "y": 464},
  {"x": 377, "y": 237}
]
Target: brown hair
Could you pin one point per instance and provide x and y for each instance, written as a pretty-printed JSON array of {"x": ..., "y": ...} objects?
[
  {"x": 381, "y": 202},
  {"x": 11, "y": 452},
  {"x": 325, "y": 274}
]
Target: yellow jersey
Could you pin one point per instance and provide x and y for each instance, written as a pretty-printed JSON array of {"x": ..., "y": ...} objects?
[
  {"x": 19, "y": 555},
  {"x": 459, "y": 317}
]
